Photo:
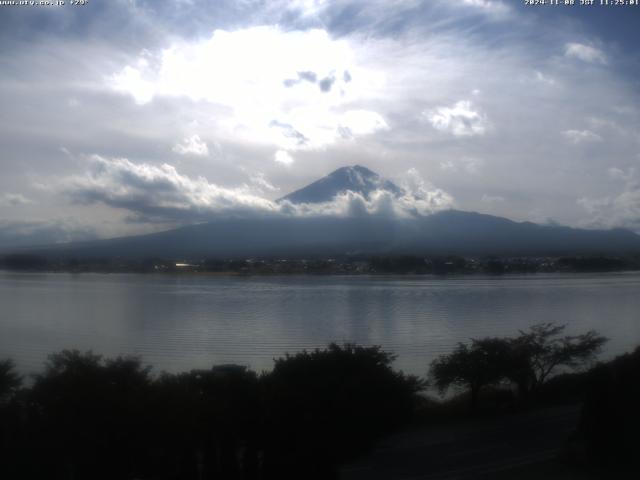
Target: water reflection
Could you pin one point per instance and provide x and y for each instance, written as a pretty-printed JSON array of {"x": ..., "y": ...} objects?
[{"x": 181, "y": 322}]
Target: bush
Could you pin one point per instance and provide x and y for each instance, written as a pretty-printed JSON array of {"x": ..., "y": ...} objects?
[
  {"x": 610, "y": 421},
  {"x": 326, "y": 406}
]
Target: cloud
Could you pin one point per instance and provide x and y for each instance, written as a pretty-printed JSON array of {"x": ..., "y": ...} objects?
[
  {"x": 284, "y": 158},
  {"x": 586, "y": 53},
  {"x": 260, "y": 180},
  {"x": 14, "y": 200},
  {"x": 37, "y": 232},
  {"x": 628, "y": 176},
  {"x": 481, "y": 3},
  {"x": 220, "y": 70},
  {"x": 541, "y": 77},
  {"x": 491, "y": 199},
  {"x": 469, "y": 165},
  {"x": 302, "y": 77},
  {"x": 361, "y": 122},
  {"x": 581, "y": 136},
  {"x": 242, "y": 71},
  {"x": 290, "y": 133},
  {"x": 159, "y": 193},
  {"x": 493, "y": 8},
  {"x": 192, "y": 145},
  {"x": 460, "y": 120},
  {"x": 621, "y": 210},
  {"x": 420, "y": 196},
  {"x": 419, "y": 199},
  {"x": 326, "y": 83}
]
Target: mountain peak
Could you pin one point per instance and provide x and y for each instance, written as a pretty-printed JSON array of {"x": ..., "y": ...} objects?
[{"x": 355, "y": 178}]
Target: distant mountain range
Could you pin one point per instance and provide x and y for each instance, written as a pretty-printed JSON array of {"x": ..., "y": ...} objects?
[{"x": 442, "y": 233}]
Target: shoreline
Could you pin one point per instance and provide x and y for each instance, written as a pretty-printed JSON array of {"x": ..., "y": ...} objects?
[{"x": 235, "y": 274}]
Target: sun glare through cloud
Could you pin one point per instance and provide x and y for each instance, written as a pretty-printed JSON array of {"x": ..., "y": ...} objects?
[{"x": 295, "y": 90}]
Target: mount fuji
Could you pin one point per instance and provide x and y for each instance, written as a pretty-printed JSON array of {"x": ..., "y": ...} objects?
[{"x": 441, "y": 233}]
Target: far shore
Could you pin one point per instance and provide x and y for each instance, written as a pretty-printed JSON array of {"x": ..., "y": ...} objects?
[{"x": 329, "y": 266}]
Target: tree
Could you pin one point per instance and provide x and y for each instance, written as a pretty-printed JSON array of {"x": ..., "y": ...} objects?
[
  {"x": 10, "y": 381},
  {"x": 204, "y": 418},
  {"x": 538, "y": 353},
  {"x": 527, "y": 360},
  {"x": 475, "y": 366},
  {"x": 327, "y": 405},
  {"x": 90, "y": 412},
  {"x": 610, "y": 421}
]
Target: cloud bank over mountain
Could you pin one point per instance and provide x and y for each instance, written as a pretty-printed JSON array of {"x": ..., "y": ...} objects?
[{"x": 161, "y": 194}]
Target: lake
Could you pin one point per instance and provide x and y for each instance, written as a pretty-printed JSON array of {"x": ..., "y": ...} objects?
[{"x": 178, "y": 322}]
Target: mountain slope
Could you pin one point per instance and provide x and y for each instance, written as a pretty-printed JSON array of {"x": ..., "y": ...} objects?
[{"x": 443, "y": 233}]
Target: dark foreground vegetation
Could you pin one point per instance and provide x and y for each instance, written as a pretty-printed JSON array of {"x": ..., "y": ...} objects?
[{"x": 87, "y": 417}]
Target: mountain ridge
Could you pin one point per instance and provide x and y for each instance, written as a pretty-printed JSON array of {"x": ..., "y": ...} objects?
[{"x": 448, "y": 232}]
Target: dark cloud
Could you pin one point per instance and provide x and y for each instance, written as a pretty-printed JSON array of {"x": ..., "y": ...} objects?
[
  {"x": 326, "y": 83},
  {"x": 306, "y": 76},
  {"x": 290, "y": 132}
]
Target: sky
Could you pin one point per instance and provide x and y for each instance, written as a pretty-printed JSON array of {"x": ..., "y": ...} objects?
[{"x": 122, "y": 117}]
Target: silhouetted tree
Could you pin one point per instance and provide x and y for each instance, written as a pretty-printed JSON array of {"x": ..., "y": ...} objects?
[
  {"x": 539, "y": 352},
  {"x": 10, "y": 428},
  {"x": 89, "y": 414},
  {"x": 475, "y": 366},
  {"x": 10, "y": 381},
  {"x": 527, "y": 360},
  {"x": 24, "y": 261},
  {"x": 399, "y": 264},
  {"x": 610, "y": 422},
  {"x": 207, "y": 423},
  {"x": 324, "y": 406}
]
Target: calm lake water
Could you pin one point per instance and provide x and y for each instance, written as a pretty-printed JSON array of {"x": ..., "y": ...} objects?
[{"x": 178, "y": 322}]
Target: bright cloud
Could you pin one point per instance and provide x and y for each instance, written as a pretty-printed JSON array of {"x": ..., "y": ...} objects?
[
  {"x": 284, "y": 158},
  {"x": 460, "y": 120},
  {"x": 14, "y": 200},
  {"x": 260, "y": 180},
  {"x": 157, "y": 192},
  {"x": 586, "y": 53},
  {"x": 162, "y": 194},
  {"x": 192, "y": 145},
  {"x": 493, "y": 8},
  {"x": 421, "y": 196},
  {"x": 361, "y": 122},
  {"x": 466, "y": 164},
  {"x": 581, "y": 136},
  {"x": 618, "y": 210},
  {"x": 288, "y": 88},
  {"x": 541, "y": 77}
]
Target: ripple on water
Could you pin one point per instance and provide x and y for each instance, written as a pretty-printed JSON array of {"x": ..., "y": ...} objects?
[{"x": 181, "y": 322}]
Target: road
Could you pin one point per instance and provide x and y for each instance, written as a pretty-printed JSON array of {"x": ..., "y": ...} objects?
[{"x": 475, "y": 449}]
